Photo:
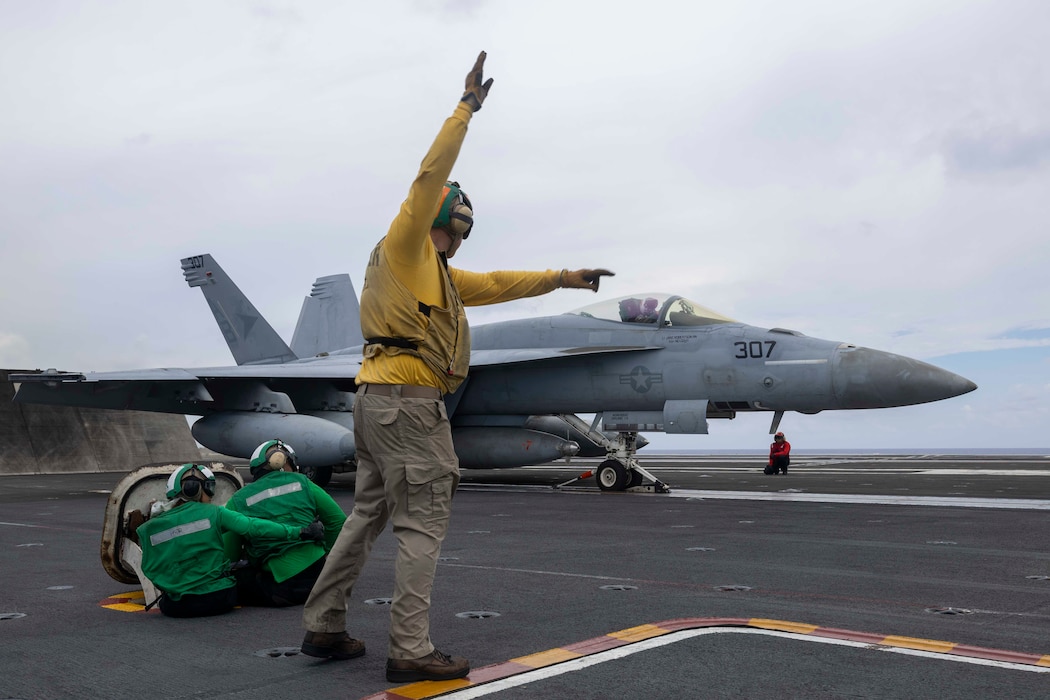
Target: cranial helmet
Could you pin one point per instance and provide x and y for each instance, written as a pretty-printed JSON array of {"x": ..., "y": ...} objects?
[
  {"x": 272, "y": 455},
  {"x": 185, "y": 484},
  {"x": 455, "y": 215}
]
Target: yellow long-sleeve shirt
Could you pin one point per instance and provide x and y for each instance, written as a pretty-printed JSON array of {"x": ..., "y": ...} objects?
[{"x": 411, "y": 258}]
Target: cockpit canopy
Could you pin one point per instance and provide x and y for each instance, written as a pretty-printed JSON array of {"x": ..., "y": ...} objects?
[{"x": 656, "y": 309}]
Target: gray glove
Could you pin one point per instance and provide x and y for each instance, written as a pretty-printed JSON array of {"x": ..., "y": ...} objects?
[
  {"x": 476, "y": 91},
  {"x": 314, "y": 531},
  {"x": 583, "y": 279}
]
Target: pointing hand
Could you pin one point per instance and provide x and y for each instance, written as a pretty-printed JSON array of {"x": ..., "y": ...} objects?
[{"x": 583, "y": 279}]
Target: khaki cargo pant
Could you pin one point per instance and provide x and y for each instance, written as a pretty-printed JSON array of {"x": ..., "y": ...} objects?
[{"x": 407, "y": 471}]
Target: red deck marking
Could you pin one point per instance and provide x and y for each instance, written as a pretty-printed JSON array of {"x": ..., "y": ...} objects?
[
  {"x": 593, "y": 646},
  {"x": 1013, "y": 657}
]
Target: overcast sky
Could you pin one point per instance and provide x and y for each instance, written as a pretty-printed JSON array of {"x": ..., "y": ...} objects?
[{"x": 870, "y": 172}]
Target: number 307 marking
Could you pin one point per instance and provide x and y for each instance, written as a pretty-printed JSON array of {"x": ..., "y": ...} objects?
[{"x": 755, "y": 349}]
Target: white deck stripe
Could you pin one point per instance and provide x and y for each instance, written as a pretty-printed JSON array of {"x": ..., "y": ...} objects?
[
  {"x": 672, "y": 637},
  {"x": 949, "y": 501}
]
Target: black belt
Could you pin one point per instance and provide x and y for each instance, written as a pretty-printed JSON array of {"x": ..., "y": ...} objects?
[{"x": 406, "y": 391}]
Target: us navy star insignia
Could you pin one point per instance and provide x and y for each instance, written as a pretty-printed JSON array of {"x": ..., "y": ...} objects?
[{"x": 641, "y": 379}]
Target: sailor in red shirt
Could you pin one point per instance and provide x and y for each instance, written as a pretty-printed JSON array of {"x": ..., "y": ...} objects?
[{"x": 779, "y": 455}]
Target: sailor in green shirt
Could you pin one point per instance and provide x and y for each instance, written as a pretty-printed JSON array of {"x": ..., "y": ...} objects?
[
  {"x": 281, "y": 572},
  {"x": 182, "y": 545}
]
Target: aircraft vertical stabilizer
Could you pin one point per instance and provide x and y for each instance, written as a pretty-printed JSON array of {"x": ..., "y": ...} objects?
[
  {"x": 251, "y": 338},
  {"x": 330, "y": 318}
]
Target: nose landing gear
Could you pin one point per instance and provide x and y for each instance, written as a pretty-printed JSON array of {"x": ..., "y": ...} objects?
[
  {"x": 621, "y": 471},
  {"x": 614, "y": 475}
]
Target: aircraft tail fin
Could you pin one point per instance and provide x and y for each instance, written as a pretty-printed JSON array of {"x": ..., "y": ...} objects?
[
  {"x": 330, "y": 318},
  {"x": 251, "y": 339}
]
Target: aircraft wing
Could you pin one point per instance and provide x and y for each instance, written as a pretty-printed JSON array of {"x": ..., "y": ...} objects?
[
  {"x": 278, "y": 387},
  {"x": 332, "y": 369},
  {"x": 195, "y": 391}
]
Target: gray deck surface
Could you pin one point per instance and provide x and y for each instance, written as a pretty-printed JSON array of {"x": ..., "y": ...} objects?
[{"x": 539, "y": 557}]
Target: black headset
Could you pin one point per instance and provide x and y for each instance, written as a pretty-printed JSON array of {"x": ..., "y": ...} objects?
[{"x": 192, "y": 485}]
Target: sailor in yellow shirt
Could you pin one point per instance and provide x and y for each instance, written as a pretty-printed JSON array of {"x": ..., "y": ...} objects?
[{"x": 417, "y": 349}]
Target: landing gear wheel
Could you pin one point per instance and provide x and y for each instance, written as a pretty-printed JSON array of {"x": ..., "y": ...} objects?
[
  {"x": 611, "y": 475},
  {"x": 319, "y": 475},
  {"x": 634, "y": 478}
]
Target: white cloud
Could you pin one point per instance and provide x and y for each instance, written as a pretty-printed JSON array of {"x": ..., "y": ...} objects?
[{"x": 875, "y": 174}]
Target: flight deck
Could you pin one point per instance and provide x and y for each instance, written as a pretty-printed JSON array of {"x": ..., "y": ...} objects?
[{"x": 895, "y": 576}]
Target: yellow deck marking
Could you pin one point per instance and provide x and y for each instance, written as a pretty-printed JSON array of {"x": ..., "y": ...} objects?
[
  {"x": 429, "y": 689},
  {"x": 637, "y": 634},
  {"x": 125, "y": 607},
  {"x": 920, "y": 644},
  {"x": 546, "y": 658},
  {"x": 783, "y": 625}
]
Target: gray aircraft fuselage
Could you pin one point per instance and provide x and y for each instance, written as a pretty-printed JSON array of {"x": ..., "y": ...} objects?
[
  {"x": 654, "y": 362},
  {"x": 733, "y": 366}
]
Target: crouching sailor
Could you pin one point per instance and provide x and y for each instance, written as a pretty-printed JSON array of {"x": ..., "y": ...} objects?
[
  {"x": 182, "y": 545},
  {"x": 281, "y": 573}
]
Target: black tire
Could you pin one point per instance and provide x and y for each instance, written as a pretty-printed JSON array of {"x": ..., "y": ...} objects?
[
  {"x": 769, "y": 470},
  {"x": 634, "y": 478},
  {"x": 611, "y": 475},
  {"x": 319, "y": 475}
]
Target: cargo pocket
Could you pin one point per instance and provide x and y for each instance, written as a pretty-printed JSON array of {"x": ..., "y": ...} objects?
[
  {"x": 429, "y": 490},
  {"x": 383, "y": 416}
]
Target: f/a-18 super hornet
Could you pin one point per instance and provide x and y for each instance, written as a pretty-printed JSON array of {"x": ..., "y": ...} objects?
[{"x": 648, "y": 362}]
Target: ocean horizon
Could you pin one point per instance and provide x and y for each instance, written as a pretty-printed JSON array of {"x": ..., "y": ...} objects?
[{"x": 817, "y": 451}]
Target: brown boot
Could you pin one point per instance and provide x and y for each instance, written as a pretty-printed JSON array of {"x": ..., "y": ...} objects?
[
  {"x": 334, "y": 645},
  {"x": 435, "y": 666}
]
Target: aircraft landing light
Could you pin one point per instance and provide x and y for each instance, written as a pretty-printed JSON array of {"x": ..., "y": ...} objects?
[{"x": 535, "y": 668}]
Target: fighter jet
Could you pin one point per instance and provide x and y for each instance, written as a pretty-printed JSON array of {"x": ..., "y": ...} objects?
[{"x": 642, "y": 363}]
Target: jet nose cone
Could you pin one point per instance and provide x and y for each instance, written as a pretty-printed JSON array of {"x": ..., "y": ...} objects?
[{"x": 865, "y": 378}]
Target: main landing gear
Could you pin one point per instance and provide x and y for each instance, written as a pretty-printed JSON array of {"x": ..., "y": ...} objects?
[{"x": 620, "y": 471}]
